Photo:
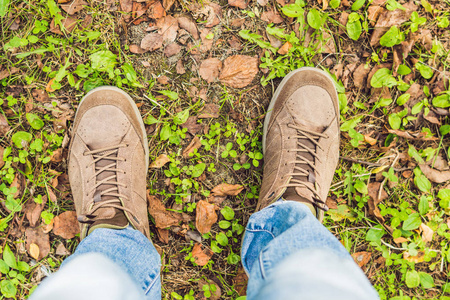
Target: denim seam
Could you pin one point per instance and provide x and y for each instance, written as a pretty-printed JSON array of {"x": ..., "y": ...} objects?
[
  {"x": 261, "y": 230},
  {"x": 152, "y": 284}
]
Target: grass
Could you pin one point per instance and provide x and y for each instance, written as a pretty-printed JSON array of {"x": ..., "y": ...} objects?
[{"x": 404, "y": 262}]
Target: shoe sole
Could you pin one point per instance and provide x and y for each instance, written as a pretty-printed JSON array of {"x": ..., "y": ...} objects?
[
  {"x": 135, "y": 108},
  {"x": 277, "y": 93}
]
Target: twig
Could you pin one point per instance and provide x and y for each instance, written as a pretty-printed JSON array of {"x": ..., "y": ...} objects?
[
  {"x": 392, "y": 247},
  {"x": 156, "y": 103},
  {"x": 371, "y": 164}
]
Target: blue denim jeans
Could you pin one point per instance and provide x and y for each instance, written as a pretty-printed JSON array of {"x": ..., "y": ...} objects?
[{"x": 286, "y": 251}]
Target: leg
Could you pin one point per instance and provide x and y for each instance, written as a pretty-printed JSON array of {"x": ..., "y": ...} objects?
[
  {"x": 289, "y": 254},
  {"x": 286, "y": 250},
  {"x": 108, "y": 264}
]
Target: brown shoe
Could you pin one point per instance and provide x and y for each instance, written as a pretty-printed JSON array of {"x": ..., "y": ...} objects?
[
  {"x": 108, "y": 162},
  {"x": 301, "y": 140}
]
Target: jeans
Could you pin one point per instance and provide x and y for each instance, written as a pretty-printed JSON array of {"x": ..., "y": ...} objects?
[{"x": 286, "y": 251}]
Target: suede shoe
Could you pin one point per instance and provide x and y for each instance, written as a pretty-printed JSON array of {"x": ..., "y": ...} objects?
[
  {"x": 301, "y": 140},
  {"x": 108, "y": 162}
]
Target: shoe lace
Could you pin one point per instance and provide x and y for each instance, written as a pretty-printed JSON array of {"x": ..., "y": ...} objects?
[
  {"x": 99, "y": 190},
  {"x": 301, "y": 163}
]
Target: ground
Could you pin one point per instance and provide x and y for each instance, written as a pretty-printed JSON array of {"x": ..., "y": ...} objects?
[{"x": 202, "y": 74}]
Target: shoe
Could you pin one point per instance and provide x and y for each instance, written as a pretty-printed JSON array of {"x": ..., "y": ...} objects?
[
  {"x": 108, "y": 162},
  {"x": 301, "y": 141}
]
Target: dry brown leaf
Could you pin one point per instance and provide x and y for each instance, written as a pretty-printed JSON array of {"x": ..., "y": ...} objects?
[
  {"x": 136, "y": 49},
  {"x": 40, "y": 239},
  {"x": 362, "y": 258},
  {"x": 163, "y": 218},
  {"x": 374, "y": 11},
  {"x": 62, "y": 250},
  {"x": 262, "y": 2},
  {"x": 168, "y": 4},
  {"x": 163, "y": 235},
  {"x": 370, "y": 140},
  {"x": 242, "y": 4},
  {"x": 240, "y": 282},
  {"x": 57, "y": 155},
  {"x": 160, "y": 161},
  {"x": 66, "y": 225},
  {"x": 416, "y": 259},
  {"x": 400, "y": 240},
  {"x": 34, "y": 251},
  {"x": 74, "y": 7},
  {"x": 4, "y": 125},
  {"x": 193, "y": 145},
  {"x": 156, "y": 11},
  {"x": 205, "y": 216},
  {"x": 126, "y": 5},
  {"x": 225, "y": 189},
  {"x": 285, "y": 48},
  {"x": 6, "y": 73},
  {"x": 168, "y": 28},
  {"x": 68, "y": 24},
  {"x": 186, "y": 23},
  {"x": 180, "y": 68},
  {"x": 46, "y": 228},
  {"x": 212, "y": 12},
  {"x": 272, "y": 16},
  {"x": 360, "y": 75},
  {"x": 200, "y": 255},
  {"x": 206, "y": 44},
  {"x": 40, "y": 96},
  {"x": 239, "y": 71},
  {"x": 374, "y": 189},
  {"x": 33, "y": 211},
  {"x": 427, "y": 233},
  {"x": 172, "y": 49},
  {"x": 209, "y": 69},
  {"x": 152, "y": 41},
  {"x": 435, "y": 175},
  {"x": 210, "y": 110},
  {"x": 235, "y": 43},
  {"x": 331, "y": 203},
  {"x": 192, "y": 126}
]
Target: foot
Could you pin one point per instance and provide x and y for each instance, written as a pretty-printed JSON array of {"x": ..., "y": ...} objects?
[
  {"x": 301, "y": 140},
  {"x": 108, "y": 162}
]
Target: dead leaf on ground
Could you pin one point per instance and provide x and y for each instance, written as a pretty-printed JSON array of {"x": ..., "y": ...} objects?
[
  {"x": 192, "y": 126},
  {"x": 206, "y": 42},
  {"x": 193, "y": 145},
  {"x": 66, "y": 225},
  {"x": 172, "y": 49},
  {"x": 168, "y": 28},
  {"x": 160, "y": 161},
  {"x": 68, "y": 24},
  {"x": 163, "y": 235},
  {"x": 416, "y": 259},
  {"x": 168, "y": 4},
  {"x": 427, "y": 233},
  {"x": 285, "y": 48},
  {"x": 435, "y": 175},
  {"x": 186, "y": 23},
  {"x": 40, "y": 239},
  {"x": 126, "y": 5},
  {"x": 209, "y": 69},
  {"x": 331, "y": 203},
  {"x": 210, "y": 110},
  {"x": 156, "y": 11},
  {"x": 40, "y": 95},
  {"x": 33, "y": 211},
  {"x": 374, "y": 189},
  {"x": 374, "y": 11},
  {"x": 136, "y": 49},
  {"x": 209, "y": 12},
  {"x": 4, "y": 125},
  {"x": 163, "y": 218},
  {"x": 242, "y": 4},
  {"x": 362, "y": 258},
  {"x": 180, "y": 68},
  {"x": 262, "y": 2},
  {"x": 205, "y": 216},
  {"x": 360, "y": 75},
  {"x": 225, "y": 189},
  {"x": 272, "y": 16},
  {"x": 61, "y": 250},
  {"x": 152, "y": 41},
  {"x": 6, "y": 73},
  {"x": 74, "y": 7},
  {"x": 200, "y": 255},
  {"x": 239, "y": 71},
  {"x": 240, "y": 282},
  {"x": 400, "y": 240}
]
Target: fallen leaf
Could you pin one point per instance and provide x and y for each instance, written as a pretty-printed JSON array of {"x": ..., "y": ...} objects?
[
  {"x": 163, "y": 235},
  {"x": 285, "y": 48},
  {"x": 272, "y": 16},
  {"x": 225, "y": 189},
  {"x": 37, "y": 237},
  {"x": 40, "y": 96},
  {"x": 6, "y": 73},
  {"x": 68, "y": 24},
  {"x": 126, "y": 5},
  {"x": 186, "y": 23},
  {"x": 211, "y": 11},
  {"x": 435, "y": 175},
  {"x": 156, "y": 11},
  {"x": 152, "y": 41},
  {"x": 4, "y": 125},
  {"x": 46, "y": 228},
  {"x": 206, "y": 44},
  {"x": 360, "y": 75},
  {"x": 163, "y": 218},
  {"x": 168, "y": 4},
  {"x": 160, "y": 161},
  {"x": 74, "y": 7},
  {"x": 235, "y": 43},
  {"x": 240, "y": 282},
  {"x": 33, "y": 211},
  {"x": 427, "y": 233},
  {"x": 192, "y": 125},
  {"x": 331, "y": 203},
  {"x": 210, "y": 110},
  {"x": 200, "y": 255},
  {"x": 400, "y": 240},
  {"x": 262, "y": 2},
  {"x": 374, "y": 12},
  {"x": 239, "y": 71},
  {"x": 180, "y": 68},
  {"x": 370, "y": 140},
  {"x": 193, "y": 235},
  {"x": 66, "y": 225},
  {"x": 172, "y": 49},
  {"x": 209, "y": 69},
  {"x": 34, "y": 251},
  {"x": 193, "y": 145},
  {"x": 274, "y": 41},
  {"x": 242, "y": 4},
  {"x": 62, "y": 250},
  {"x": 374, "y": 189},
  {"x": 362, "y": 258},
  {"x": 205, "y": 216},
  {"x": 163, "y": 79},
  {"x": 136, "y": 49},
  {"x": 168, "y": 28},
  {"x": 416, "y": 259}
]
